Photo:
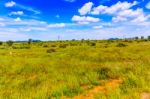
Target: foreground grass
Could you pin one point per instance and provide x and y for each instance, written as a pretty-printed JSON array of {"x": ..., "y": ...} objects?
[{"x": 34, "y": 73}]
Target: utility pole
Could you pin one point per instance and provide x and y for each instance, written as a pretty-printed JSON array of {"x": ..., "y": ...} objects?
[{"x": 58, "y": 37}]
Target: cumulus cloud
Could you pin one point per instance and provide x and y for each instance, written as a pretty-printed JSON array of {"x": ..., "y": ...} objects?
[
  {"x": 57, "y": 25},
  {"x": 131, "y": 15},
  {"x": 10, "y": 4},
  {"x": 17, "y": 19},
  {"x": 97, "y": 27},
  {"x": 118, "y": 19},
  {"x": 148, "y": 5},
  {"x": 121, "y": 11},
  {"x": 137, "y": 15},
  {"x": 22, "y": 29},
  {"x": 84, "y": 19},
  {"x": 120, "y": 6},
  {"x": 17, "y": 13},
  {"x": 86, "y": 8}
]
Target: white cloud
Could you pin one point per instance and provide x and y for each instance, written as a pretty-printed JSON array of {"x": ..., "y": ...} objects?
[
  {"x": 1, "y": 19},
  {"x": 2, "y": 24},
  {"x": 97, "y": 27},
  {"x": 141, "y": 18},
  {"x": 17, "y": 13},
  {"x": 57, "y": 25},
  {"x": 120, "y": 6},
  {"x": 131, "y": 15},
  {"x": 118, "y": 19},
  {"x": 86, "y": 8},
  {"x": 36, "y": 29},
  {"x": 17, "y": 19},
  {"x": 121, "y": 11},
  {"x": 84, "y": 19},
  {"x": 148, "y": 5},
  {"x": 99, "y": 10},
  {"x": 28, "y": 9},
  {"x": 10, "y": 4}
]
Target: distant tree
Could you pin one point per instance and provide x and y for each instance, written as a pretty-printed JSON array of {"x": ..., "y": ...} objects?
[
  {"x": 9, "y": 43},
  {"x": 1, "y": 43},
  {"x": 121, "y": 45},
  {"x": 82, "y": 40},
  {"x": 73, "y": 39},
  {"x": 142, "y": 37},
  {"x": 93, "y": 44},
  {"x": 136, "y": 38},
  {"x": 148, "y": 37},
  {"x": 29, "y": 41}
]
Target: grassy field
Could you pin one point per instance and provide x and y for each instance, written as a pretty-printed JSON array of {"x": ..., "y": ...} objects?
[{"x": 67, "y": 69}]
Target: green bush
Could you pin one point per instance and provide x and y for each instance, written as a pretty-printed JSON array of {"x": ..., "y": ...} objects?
[
  {"x": 121, "y": 45},
  {"x": 63, "y": 45},
  {"x": 92, "y": 44},
  {"x": 9, "y": 43},
  {"x": 45, "y": 45},
  {"x": 51, "y": 50},
  {"x": 103, "y": 72},
  {"x": 1, "y": 43}
]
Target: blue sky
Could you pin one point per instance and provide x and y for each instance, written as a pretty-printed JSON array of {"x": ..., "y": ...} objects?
[{"x": 73, "y": 19}]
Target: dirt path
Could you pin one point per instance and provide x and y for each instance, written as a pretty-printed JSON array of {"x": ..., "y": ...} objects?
[
  {"x": 145, "y": 95},
  {"x": 92, "y": 92}
]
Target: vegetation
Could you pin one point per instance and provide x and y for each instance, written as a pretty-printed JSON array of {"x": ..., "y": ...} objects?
[
  {"x": 29, "y": 41},
  {"x": 10, "y": 43},
  {"x": 1, "y": 43},
  {"x": 66, "y": 69}
]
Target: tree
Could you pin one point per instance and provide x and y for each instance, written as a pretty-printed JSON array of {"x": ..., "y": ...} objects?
[
  {"x": 149, "y": 37},
  {"x": 1, "y": 43},
  {"x": 142, "y": 37},
  {"x": 136, "y": 38},
  {"x": 9, "y": 43},
  {"x": 29, "y": 41}
]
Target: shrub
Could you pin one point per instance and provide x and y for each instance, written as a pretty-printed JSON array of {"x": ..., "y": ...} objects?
[
  {"x": 53, "y": 45},
  {"x": 9, "y": 43},
  {"x": 45, "y": 45},
  {"x": 51, "y": 50},
  {"x": 25, "y": 47},
  {"x": 93, "y": 44},
  {"x": 136, "y": 38},
  {"x": 121, "y": 45},
  {"x": 148, "y": 37},
  {"x": 105, "y": 46},
  {"x": 73, "y": 44},
  {"x": 71, "y": 91},
  {"x": 63, "y": 45},
  {"x": 1, "y": 43},
  {"x": 103, "y": 73},
  {"x": 14, "y": 47},
  {"x": 29, "y": 41},
  {"x": 142, "y": 37}
]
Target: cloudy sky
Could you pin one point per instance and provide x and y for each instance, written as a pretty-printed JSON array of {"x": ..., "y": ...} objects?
[{"x": 73, "y": 19}]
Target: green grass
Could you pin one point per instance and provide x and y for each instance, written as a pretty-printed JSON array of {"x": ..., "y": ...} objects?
[{"x": 30, "y": 73}]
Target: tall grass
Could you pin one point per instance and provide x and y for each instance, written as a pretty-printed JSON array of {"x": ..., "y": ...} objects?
[{"x": 30, "y": 73}]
